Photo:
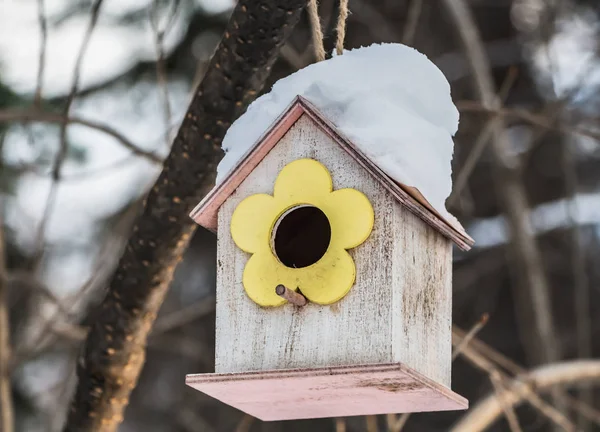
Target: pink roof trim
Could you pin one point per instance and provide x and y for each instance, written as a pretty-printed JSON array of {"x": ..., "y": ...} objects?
[{"x": 205, "y": 213}]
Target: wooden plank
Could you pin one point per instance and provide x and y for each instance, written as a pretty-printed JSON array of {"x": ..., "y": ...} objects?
[
  {"x": 422, "y": 301},
  {"x": 205, "y": 213},
  {"x": 328, "y": 392},
  {"x": 399, "y": 308},
  {"x": 355, "y": 330}
]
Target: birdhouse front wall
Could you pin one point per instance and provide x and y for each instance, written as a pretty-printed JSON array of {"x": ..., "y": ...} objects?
[{"x": 397, "y": 310}]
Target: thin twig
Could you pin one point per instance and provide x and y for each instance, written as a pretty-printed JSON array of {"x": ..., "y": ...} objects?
[
  {"x": 515, "y": 369},
  {"x": 549, "y": 411},
  {"x": 583, "y": 320},
  {"x": 291, "y": 296},
  {"x": 316, "y": 31},
  {"x": 6, "y": 403},
  {"x": 484, "y": 137},
  {"x": 509, "y": 412},
  {"x": 534, "y": 306},
  {"x": 61, "y": 155},
  {"x": 527, "y": 390},
  {"x": 31, "y": 116},
  {"x": 470, "y": 335},
  {"x": 399, "y": 424},
  {"x": 184, "y": 316},
  {"x": 37, "y": 98},
  {"x": 340, "y": 424},
  {"x": 161, "y": 69},
  {"x": 105, "y": 263},
  {"x": 245, "y": 423},
  {"x": 540, "y": 120},
  {"x": 396, "y": 424},
  {"x": 371, "y": 423},
  {"x": 412, "y": 21}
]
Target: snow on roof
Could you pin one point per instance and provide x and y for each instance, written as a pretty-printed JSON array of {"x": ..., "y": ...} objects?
[
  {"x": 206, "y": 212},
  {"x": 390, "y": 100}
]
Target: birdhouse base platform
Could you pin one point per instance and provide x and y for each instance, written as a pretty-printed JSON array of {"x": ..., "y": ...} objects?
[{"x": 289, "y": 394}]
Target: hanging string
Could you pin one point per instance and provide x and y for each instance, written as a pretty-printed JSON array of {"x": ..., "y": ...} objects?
[
  {"x": 341, "y": 27},
  {"x": 317, "y": 33}
]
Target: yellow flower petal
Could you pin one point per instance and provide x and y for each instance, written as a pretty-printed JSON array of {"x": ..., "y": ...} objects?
[
  {"x": 300, "y": 181},
  {"x": 261, "y": 277},
  {"x": 351, "y": 217},
  {"x": 252, "y": 220},
  {"x": 329, "y": 279}
]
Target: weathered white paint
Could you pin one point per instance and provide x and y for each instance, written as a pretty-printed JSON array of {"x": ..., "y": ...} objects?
[{"x": 399, "y": 309}]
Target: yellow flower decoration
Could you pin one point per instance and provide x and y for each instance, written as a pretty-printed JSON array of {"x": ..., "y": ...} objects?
[{"x": 256, "y": 220}]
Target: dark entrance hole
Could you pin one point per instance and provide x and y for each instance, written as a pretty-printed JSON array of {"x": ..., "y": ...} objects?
[{"x": 301, "y": 236}]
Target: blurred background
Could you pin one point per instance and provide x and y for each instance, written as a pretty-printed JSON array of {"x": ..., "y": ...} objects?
[{"x": 92, "y": 93}]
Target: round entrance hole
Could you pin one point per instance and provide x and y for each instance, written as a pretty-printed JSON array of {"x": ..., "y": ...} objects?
[{"x": 301, "y": 236}]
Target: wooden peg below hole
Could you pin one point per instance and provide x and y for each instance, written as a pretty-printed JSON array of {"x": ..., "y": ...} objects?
[{"x": 291, "y": 296}]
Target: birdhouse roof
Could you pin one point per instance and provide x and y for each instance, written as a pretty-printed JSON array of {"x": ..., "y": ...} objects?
[{"x": 205, "y": 213}]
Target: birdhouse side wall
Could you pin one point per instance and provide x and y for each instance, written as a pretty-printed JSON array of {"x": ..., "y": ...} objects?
[
  {"x": 422, "y": 296},
  {"x": 396, "y": 269}
]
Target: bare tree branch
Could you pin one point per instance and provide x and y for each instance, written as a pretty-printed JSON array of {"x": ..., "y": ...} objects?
[
  {"x": 544, "y": 378},
  {"x": 61, "y": 155},
  {"x": 410, "y": 28},
  {"x": 470, "y": 335},
  {"x": 541, "y": 120},
  {"x": 6, "y": 402},
  {"x": 184, "y": 316},
  {"x": 371, "y": 423},
  {"x": 533, "y": 293},
  {"x": 104, "y": 266},
  {"x": 340, "y": 424},
  {"x": 161, "y": 69},
  {"x": 31, "y": 116},
  {"x": 509, "y": 412},
  {"x": 528, "y": 392},
  {"x": 115, "y": 348},
  {"x": 480, "y": 143},
  {"x": 397, "y": 424},
  {"x": 245, "y": 423},
  {"x": 37, "y": 98},
  {"x": 500, "y": 360},
  {"x": 583, "y": 320}
]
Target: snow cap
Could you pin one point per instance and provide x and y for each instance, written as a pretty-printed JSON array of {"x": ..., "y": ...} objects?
[{"x": 390, "y": 100}]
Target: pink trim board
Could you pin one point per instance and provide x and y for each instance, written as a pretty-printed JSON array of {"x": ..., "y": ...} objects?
[{"x": 329, "y": 392}]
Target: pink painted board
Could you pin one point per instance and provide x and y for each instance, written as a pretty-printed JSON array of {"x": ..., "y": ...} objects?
[
  {"x": 205, "y": 213},
  {"x": 328, "y": 392}
]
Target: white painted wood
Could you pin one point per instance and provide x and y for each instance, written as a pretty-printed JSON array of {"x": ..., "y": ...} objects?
[
  {"x": 422, "y": 300},
  {"x": 368, "y": 326}
]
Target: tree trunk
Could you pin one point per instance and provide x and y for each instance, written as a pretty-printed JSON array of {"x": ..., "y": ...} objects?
[{"x": 115, "y": 347}]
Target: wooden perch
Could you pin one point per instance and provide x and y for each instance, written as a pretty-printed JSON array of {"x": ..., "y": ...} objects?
[
  {"x": 115, "y": 347},
  {"x": 291, "y": 296}
]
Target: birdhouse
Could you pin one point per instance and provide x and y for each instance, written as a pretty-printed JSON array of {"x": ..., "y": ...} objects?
[{"x": 334, "y": 282}]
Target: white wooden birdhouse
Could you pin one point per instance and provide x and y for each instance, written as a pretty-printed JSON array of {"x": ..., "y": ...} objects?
[{"x": 334, "y": 282}]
